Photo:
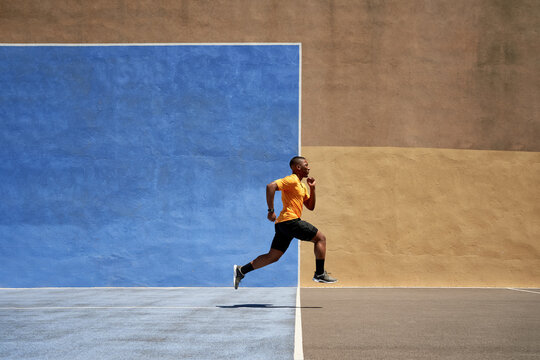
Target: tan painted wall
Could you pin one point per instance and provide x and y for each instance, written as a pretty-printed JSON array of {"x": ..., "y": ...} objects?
[
  {"x": 413, "y": 73},
  {"x": 426, "y": 217},
  {"x": 459, "y": 74}
]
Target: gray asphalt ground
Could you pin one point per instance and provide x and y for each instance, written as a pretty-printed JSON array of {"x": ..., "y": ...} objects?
[
  {"x": 456, "y": 324},
  {"x": 147, "y": 323},
  {"x": 258, "y": 323}
]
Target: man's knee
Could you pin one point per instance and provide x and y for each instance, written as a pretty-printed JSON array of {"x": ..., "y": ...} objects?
[{"x": 319, "y": 237}]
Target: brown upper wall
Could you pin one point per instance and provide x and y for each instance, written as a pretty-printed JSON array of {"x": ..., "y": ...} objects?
[{"x": 443, "y": 74}]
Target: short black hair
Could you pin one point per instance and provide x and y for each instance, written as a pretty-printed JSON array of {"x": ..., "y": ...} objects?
[{"x": 295, "y": 160}]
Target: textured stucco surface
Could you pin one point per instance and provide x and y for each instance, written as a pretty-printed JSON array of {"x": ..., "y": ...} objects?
[
  {"x": 442, "y": 74},
  {"x": 426, "y": 217},
  {"x": 134, "y": 165},
  {"x": 421, "y": 74}
]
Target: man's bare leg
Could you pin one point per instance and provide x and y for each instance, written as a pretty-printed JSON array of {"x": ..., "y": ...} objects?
[
  {"x": 319, "y": 248},
  {"x": 266, "y": 259},
  {"x": 261, "y": 261}
]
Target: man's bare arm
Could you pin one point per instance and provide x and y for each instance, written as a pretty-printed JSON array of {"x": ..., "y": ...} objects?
[
  {"x": 310, "y": 203},
  {"x": 270, "y": 193}
]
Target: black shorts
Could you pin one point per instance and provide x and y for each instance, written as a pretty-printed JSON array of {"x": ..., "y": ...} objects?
[{"x": 287, "y": 230}]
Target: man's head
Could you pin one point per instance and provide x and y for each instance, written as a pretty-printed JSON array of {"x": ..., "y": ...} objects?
[{"x": 299, "y": 166}]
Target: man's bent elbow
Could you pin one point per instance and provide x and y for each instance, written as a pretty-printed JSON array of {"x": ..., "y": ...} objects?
[{"x": 310, "y": 206}]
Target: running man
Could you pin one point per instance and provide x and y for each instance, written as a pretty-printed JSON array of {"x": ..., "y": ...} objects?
[{"x": 294, "y": 196}]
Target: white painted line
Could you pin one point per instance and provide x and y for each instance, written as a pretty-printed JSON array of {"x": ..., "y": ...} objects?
[
  {"x": 259, "y": 288},
  {"x": 104, "y": 307},
  {"x": 298, "y": 341},
  {"x": 143, "y": 288},
  {"x": 529, "y": 291},
  {"x": 217, "y": 307},
  {"x": 146, "y": 44},
  {"x": 324, "y": 286},
  {"x": 300, "y": 100}
]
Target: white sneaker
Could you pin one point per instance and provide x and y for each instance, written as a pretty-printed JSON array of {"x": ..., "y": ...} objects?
[
  {"x": 238, "y": 276},
  {"x": 324, "y": 278}
]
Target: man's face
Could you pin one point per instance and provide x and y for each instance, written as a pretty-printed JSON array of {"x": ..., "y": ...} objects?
[{"x": 304, "y": 167}]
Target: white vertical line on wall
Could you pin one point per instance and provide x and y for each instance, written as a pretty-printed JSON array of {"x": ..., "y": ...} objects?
[
  {"x": 298, "y": 341},
  {"x": 299, "y": 130},
  {"x": 299, "y": 99},
  {"x": 299, "y": 133}
]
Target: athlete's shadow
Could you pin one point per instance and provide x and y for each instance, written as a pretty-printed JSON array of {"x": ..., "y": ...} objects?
[{"x": 265, "y": 306}]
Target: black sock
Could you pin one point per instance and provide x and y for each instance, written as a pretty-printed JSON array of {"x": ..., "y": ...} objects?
[
  {"x": 319, "y": 269},
  {"x": 246, "y": 268}
]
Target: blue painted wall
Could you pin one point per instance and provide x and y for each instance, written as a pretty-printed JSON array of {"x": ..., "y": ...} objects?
[{"x": 143, "y": 166}]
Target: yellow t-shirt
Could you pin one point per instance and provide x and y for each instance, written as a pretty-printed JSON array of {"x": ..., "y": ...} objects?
[{"x": 293, "y": 195}]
